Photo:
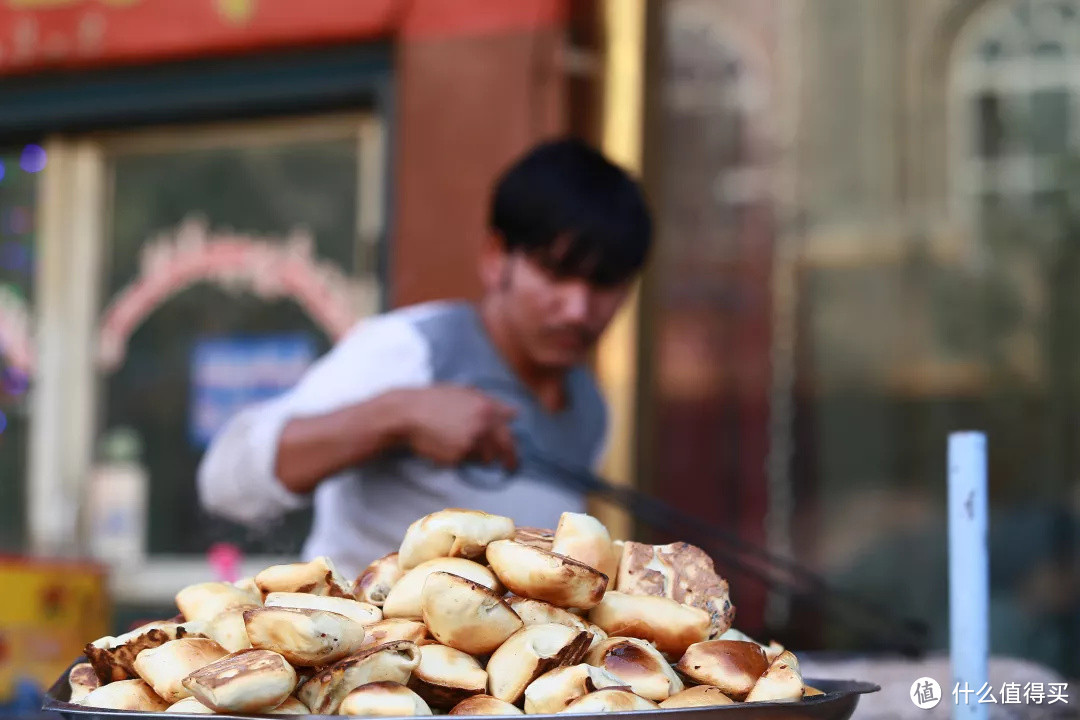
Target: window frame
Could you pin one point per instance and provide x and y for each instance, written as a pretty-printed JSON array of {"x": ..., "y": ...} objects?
[
  {"x": 1017, "y": 174},
  {"x": 73, "y": 220}
]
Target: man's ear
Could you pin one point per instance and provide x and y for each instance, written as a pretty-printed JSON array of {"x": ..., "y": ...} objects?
[{"x": 494, "y": 264}]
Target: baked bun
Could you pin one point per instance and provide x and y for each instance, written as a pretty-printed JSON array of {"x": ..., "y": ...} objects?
[
  {"x": 466, "y": 615},
  {"x": 679, "y": 571},
  {"x": 228, "y": 630},
  {"x": 392, "y": 629},
  {"x": 317, "y": 577},
  {"x": 670, "y": 626},
  {"x": 82, "y": 680},
  {"x": 585, "y": 539},
  {"x": 452, "y": 533},
  {"x": 125, "y": 695},
  {"x": 165, "y": 667},
  {"x": 383, "y": 699},
  {"x": 248, "y": 681},
  {"x": 610, "y": 700},
  {"x": 203, "y": 602},
  {"x": 360, "y": 612},
  {"x": 639, "y": 665},
  {"x": 404, "y": 599},
  {"x": 190, "y": 706},
  {"x": 531, "y": 652},
  {"x": 304, "y": 637},
  {"x": 393, "y": 662},
  {"x": 731, "y": 665},
  {"x": 537, "y": 612},
  {"x": 555, "y": 689},
  {"x": 248, "y": 585},
  {"x": 697, "y": 696},
  {"x": 541, "y": 575},
  {"x": 113, "y": 658},
  {"x": 446, "y": 676},
  {"x": 375, "y": 581},
  {"x": 484, "y": 705},
  {"x": 536, "y": 537},
  {"x": 291, "y": 706},
  {"x": 782, "y": 682}
]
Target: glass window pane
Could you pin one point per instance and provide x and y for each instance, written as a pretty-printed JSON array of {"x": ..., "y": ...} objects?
[
  {"x": 991, "y": 125},
  {"x": 1021, "y": 11},
  {"x": 1049, "y": 211},
  {"x": 1049, "y": 49},
  {"x": 214, "y": 345},
  {"x": 994, "y": 209},
  {"x": 1003, "y": 124},
  {"x": 991, "y": 50},
  {"x": 18, "y": 197},
  {"x": 1049, "y": 121}
]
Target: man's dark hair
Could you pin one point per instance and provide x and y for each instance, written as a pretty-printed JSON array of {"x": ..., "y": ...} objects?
[{"x": 572, "y": 210}]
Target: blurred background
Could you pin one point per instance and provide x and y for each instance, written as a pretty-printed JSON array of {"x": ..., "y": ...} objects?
[{"x": 868, "y": 218}]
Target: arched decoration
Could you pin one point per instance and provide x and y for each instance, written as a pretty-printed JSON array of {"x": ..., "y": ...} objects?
[
  {"x": 1024, "y": 30},
  {"x": 1014, "y": 107},
  {"x": 268, "y": 267}
]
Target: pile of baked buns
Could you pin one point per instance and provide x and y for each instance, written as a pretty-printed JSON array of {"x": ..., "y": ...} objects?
[{"x": 472, "y": 616}]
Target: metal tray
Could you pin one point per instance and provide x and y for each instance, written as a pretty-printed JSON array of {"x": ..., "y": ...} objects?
[{"x": 838, "y": 703}]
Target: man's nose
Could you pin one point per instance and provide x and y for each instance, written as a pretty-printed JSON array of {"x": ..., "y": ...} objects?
[{"x": 575, "y": 301}]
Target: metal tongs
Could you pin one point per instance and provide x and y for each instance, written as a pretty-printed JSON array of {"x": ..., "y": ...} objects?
[{"x": 904, "y": 635}]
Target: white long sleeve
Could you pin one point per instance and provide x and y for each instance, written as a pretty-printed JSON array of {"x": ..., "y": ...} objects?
[{"x": 236, "y": 477}]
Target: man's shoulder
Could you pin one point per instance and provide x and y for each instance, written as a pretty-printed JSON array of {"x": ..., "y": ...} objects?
[
  {"x": 411, "y": 321},
  {"x": 431, "y": 311}
]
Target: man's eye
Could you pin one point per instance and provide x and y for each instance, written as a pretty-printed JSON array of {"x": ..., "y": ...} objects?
[{"x": 549, "y": 271}]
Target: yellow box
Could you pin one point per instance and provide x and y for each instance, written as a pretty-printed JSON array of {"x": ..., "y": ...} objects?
[{"x": 49, "y": 610}]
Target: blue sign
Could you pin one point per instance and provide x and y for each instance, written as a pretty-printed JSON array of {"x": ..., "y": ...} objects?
[{"x": 230, "y": 374}]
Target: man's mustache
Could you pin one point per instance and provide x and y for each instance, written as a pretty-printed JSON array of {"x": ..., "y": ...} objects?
[{"x": 584, "y": 334}]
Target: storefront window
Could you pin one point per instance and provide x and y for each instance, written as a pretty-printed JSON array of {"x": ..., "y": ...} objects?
[
  {"x": 234, "y": 258},
  {"x": 811, "y": 350}
]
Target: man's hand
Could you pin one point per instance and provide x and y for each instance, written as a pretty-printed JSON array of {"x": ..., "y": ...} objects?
[
  {"x": 447, "y": 424},
  {"x": 450, "y": 424}
]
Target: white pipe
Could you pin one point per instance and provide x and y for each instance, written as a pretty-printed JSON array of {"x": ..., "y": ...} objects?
[{"x": 969, "y": 574}]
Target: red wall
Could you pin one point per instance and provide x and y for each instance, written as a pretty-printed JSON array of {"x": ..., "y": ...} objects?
[
  {"x": 41, "y": 34},
  {"x": 468, "y": 105},
  {"x": 477, "y": 82}
]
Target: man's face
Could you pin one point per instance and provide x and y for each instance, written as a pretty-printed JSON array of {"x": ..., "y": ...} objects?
[{"x": 556, "y": 320}]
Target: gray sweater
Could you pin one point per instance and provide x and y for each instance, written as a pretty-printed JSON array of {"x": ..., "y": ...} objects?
[{"x": 363, "y": 513}]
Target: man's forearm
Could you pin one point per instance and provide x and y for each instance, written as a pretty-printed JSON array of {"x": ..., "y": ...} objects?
[{"x": 313, "y": 448}]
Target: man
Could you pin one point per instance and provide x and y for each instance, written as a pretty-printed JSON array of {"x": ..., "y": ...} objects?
[{"x": 394, "y": 422}]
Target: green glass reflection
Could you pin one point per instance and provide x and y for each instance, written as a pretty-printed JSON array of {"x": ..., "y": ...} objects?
[
  {"x": 18, "y": 232},
  {"x": 259, "y": 191}
]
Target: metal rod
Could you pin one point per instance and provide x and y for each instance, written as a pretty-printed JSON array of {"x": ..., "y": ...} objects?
[
  {"x": 910, "y": 635},
  {"x": 907, "y": 635}
]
